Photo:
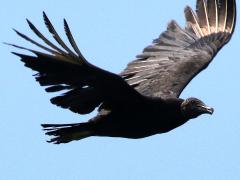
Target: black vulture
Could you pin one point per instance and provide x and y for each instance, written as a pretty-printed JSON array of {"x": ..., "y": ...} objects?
[{"x": 143, "y": 100}]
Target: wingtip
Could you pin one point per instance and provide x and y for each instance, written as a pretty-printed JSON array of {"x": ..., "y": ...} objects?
[
  {"x": 44, "y": 126},
  {"x": 187, "y": 8},
  {"x": 32, "y": 27},
  {"x": 65, "y": 24},
  {"x": 15, "y": 30},
  {"x": 44, "y": 14},
  {"x": 64, "y": 21},
  {"x": 45, "y": 18},
  {"x": 172, "y": 25},
  {"x": 28, "y": 21},
  {"x": 17, "y": 54},
  {"x": 5, "y": 43},
  {"x": 18, "y": 33}
]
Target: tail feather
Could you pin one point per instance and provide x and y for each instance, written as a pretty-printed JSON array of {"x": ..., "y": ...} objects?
[{"x": 64, "y": 133}]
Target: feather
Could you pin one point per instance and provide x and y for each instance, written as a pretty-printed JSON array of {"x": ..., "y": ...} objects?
[
  {"x": 40, "y": 35},
  {"x": 55, "y": 34},
  {"x": 71, "y": 39},
  {"x": 202, "y": 14},
  {"x": 34, "y": 42},
  {"x": 212, "y": 8},
  {"x": 231, "y": 13},
  {"x": 192, "y": 22},
  {"x": 222, "y": 15}
]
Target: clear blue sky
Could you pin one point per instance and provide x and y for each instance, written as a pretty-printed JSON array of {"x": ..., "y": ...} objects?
[{"x": 110, "y": 34}]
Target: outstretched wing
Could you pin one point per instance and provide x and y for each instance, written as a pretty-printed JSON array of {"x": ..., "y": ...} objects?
[
  {"x": 61, "y": 69},
  {"x": 169, "y": 64}
]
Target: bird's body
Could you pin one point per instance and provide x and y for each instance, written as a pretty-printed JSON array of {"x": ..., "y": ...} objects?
[
  {"x": 151, "y": 117},
  {"x": 143, "y": 99}
]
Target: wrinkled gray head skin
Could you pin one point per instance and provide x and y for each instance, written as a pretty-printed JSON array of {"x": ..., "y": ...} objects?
[{"x": 193, "y": 107}]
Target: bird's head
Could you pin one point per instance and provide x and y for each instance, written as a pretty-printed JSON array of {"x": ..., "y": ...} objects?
[{"x": 193, "y": 107}]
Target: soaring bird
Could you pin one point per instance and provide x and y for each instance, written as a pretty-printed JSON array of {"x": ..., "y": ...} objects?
[{"x": 142, "y": 100}]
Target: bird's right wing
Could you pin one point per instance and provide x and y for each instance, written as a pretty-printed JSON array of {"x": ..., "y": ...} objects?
[
  {"x": 85, "y": 86},
  {"x": 166, "y": 67}
]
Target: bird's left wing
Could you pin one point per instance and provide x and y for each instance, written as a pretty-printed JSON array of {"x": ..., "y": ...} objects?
[
  {"x": 85, "y": 86},
  {"x": 169, "y": 64}
]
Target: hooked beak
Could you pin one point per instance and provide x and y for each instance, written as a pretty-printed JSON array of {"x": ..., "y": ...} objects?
[{"x": 206, "y": 109}]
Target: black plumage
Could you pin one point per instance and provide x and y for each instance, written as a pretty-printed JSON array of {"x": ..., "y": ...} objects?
[{"x": 143, "y": 99}]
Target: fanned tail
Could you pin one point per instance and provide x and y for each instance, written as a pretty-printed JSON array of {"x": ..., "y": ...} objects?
[{"x": 64, "y": 133}]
